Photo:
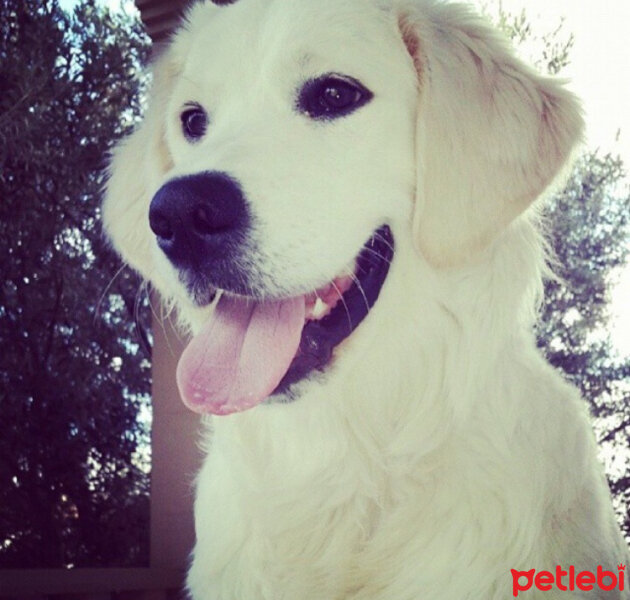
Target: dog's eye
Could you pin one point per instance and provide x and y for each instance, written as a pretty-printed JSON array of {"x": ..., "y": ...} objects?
[
  {"x": 332, "y": 96},
  {"x": 194, "y": 122}
]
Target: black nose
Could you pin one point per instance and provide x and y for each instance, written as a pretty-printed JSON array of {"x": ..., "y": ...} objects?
[{"x": 198, "y": 218}]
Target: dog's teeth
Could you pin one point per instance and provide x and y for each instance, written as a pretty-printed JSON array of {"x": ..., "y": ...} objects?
[{"x": 319, "y": 308}]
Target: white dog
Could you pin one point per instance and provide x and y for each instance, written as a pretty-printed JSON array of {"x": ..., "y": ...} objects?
[{"x": 407, "y": 441}]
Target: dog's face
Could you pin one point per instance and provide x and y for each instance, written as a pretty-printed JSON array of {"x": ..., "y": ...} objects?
[
  {"x": 306, "y": 142},
  {"x": 290, "y": 146}
]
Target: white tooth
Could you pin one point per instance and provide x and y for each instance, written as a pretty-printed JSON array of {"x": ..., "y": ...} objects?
[{"x": 319, "y": 308}]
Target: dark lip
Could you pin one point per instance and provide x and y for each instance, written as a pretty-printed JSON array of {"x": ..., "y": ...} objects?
[
  {"x": 319, "y": 338},
  {"x": 202, "y": 290}
]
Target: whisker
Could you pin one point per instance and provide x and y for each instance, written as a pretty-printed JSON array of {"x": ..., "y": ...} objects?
[
  {"x": 174, "y": 326},
  {"x": 358, "y": 282},
  {"x": 375, "y": 253},
  {"x": 167, "y": 308},
  {"x": 99, "y": 304},
  {"x": 140, "y": 294},
  {"x": 345, "y": 306},
  {"x": 316, "y": 292},
  {"x": 163, "y": 317},
  {"x": 153, "y": 310},
  {"x": 384, "y": 240}
]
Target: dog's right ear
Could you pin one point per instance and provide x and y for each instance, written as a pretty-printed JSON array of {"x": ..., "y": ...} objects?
[{"x": 137, "y": 167}]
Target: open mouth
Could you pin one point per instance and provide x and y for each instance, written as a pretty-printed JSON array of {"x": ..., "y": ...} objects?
[{"x": 251, "y": 350}]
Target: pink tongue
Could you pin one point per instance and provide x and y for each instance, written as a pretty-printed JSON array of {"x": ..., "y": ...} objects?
[{"x": 240, "y": 355}]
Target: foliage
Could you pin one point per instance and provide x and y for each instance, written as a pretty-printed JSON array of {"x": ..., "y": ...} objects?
[
  {"x": 589, "y": 224},
  {"x": 549, "y": 51},
  {"x": 73, "y": 376}
]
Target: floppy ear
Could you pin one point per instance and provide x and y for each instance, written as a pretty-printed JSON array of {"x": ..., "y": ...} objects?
[
  {"x": 491, "y": 135},
  {"x": 137, "y": 166}
]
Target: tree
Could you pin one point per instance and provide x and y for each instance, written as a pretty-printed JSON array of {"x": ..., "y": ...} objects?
[
  {"x": 589, "y": 225},
  {"x": 74, "y": 377},
  {"x": 589, "y": 231}
]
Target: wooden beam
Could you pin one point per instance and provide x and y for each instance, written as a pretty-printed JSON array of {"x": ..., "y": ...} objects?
[{"x": 161, "y": 17}]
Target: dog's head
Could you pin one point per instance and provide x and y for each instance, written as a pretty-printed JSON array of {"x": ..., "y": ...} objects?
[{"x": 291, "y": 146}]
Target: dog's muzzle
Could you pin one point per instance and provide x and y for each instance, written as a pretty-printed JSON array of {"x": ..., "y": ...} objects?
[{"x": 252, "y": 348}]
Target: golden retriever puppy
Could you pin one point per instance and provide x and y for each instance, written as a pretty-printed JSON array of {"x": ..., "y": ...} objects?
[{"x": 337, "y": 196}]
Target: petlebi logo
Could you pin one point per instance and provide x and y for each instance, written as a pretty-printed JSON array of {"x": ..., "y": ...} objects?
[{"x": 568, "y": 580}]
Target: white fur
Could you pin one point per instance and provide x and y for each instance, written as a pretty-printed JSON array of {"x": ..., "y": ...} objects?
[{"x": 439, "y": 450}]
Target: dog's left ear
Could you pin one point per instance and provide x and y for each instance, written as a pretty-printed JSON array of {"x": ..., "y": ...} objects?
[{"x": 491, "y": 136}]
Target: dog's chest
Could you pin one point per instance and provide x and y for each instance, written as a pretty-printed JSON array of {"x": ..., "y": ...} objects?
[
  {"x": 278, "y": 521},
  {"x": 284, "y": 521}
]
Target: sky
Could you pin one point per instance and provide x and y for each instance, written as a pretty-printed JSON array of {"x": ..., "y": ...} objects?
[
  {"x": 600, "y": 61},
  {"x": 600, "y": 74}
]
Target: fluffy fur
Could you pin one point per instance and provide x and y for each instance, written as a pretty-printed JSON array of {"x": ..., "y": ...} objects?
[{"x": 439, "y": 450}]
